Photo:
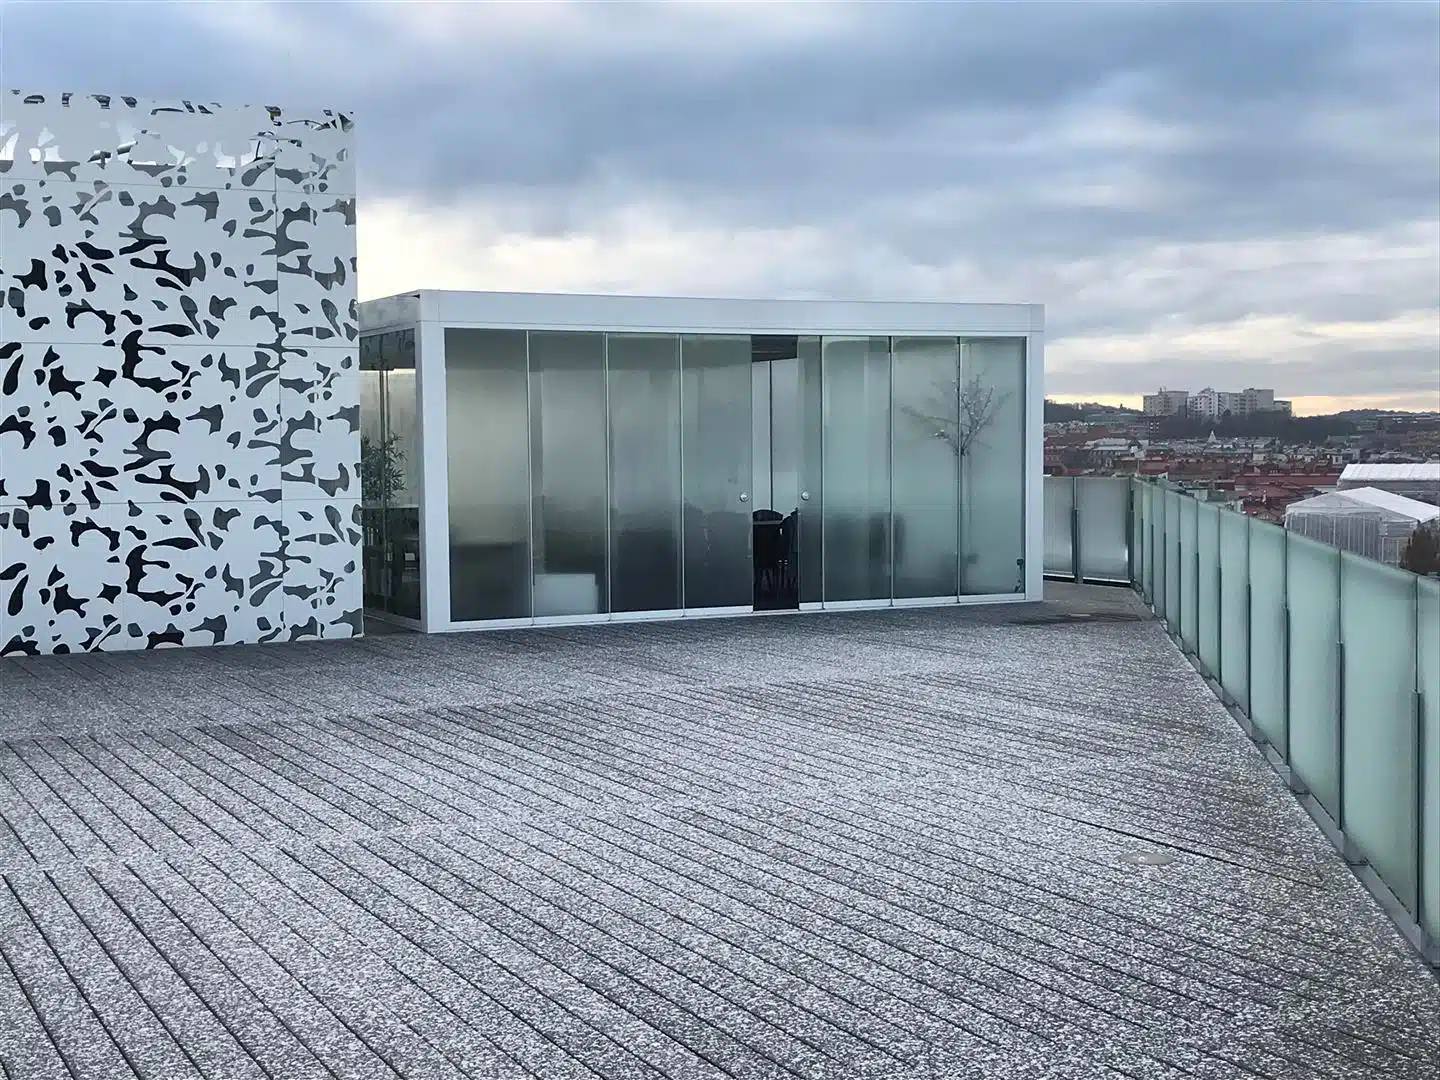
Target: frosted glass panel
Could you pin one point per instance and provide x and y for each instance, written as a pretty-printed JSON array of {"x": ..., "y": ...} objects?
[
  {"x": 857, "y": 468},
  {"x": 715, "y": 447},
  {"x": 812, "y": 479},
  {"x": 992, "y": 466},
  {"x": 1377, "y": 625},
  {"x": 1103, "y": 513},
  {"x": 1059, "y": 504},
  {"x": 1427, "y": 620},
  {"x": 1189, "y": 576},
  {"x": 488, "y": 474},
  {"x": 1267, "y": 631},
  {"x": 567, "y": 473},
  {"x": 1234, "y": 610},
  {"x": 1314, "y": 596},
  {"x": 1207, "y": 601},
  {"x": 1153, "y": 571},
  {"x": 644, "y": 382},
  {"x": 925, "y": 486},
  {"x": 1137, "y": 531},
  {"x": 1171, "y": 589}
]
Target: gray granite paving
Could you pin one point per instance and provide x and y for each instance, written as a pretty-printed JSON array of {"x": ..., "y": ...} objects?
[{"x": 1021, "y": 842}]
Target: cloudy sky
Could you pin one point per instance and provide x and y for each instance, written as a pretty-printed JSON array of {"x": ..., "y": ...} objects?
[{"x": 1201, "y": 194}]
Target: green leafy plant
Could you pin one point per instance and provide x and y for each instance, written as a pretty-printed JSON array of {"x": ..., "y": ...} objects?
[{"x": 382, "y": 469}]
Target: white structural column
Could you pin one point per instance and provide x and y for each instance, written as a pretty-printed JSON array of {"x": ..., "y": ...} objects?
[{"x": 434, "y": 476}]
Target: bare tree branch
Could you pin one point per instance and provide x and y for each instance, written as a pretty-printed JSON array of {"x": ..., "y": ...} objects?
[{"x": 959, "y": 413}]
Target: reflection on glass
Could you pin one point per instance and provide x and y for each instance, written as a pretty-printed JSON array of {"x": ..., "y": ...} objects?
[
  {"x": 390, "y": 473},
  {"x": 925, "y": 466},
  {"x": 489, "y": 486},
  {"x": 857, "y": 468},
  {"x": 568, "y": 473},
  {"x": 990, "y": 438},
  {"x": 716, "y": 436},
  {"x": 644, "y": 376}
]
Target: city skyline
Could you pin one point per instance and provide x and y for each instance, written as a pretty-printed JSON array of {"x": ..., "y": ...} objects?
[{"x": 1200, "y": 194}]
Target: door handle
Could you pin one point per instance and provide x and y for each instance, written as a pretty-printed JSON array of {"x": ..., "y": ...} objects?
[
  {"x": 804, "y": 496},
  {"x": 744, "y": 497}
]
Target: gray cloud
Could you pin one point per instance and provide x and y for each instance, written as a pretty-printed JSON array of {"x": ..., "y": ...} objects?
[{"x": 1055, "y": 150}]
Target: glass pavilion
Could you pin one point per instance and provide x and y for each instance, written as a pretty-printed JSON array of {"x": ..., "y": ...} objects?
[{"x": 536, "y": 459}]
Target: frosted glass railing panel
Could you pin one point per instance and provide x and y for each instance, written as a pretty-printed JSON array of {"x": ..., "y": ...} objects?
[
  {"x": 1059, "y": 502},
  {"x": 1313, "y": 593},
  {"x": 1377, "y": 626},
  {"x": 1427, "y": 651},
  {"x": 1154, "y": 562},
  {"x": 1137, "y": 536},
  {"x": 1171, "y": 548},
  {"x": 1189, "y": 576},
  {"x": 1234, "y": 612},
  {"x": 1102, "y": 503},
  {"x": 1207, "y": 603},
  {"x": 1268, "y": 650}
]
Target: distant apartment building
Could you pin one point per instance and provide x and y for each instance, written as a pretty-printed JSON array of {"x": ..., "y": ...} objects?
[
  {"x": 1166, "y": 403},
  {"x": 1211, "y": 404}
]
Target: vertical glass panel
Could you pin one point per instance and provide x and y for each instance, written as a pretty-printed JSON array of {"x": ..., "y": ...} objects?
[
  {"x": 1234, "y": 608},
  {"x": 1378, "y": 625},
  {"x": 390, "y": 473},
  {"x": 1313, "y": 579},
  {"x": 775, "y": 538},
  {"x": 1059, "y": 506},
  {"x": 644, "y": 381},
  {"x": 716, "y": 434},
  {"x": 761, "y": 489},
  {"x": 487, "y": 458},
  {"x": 568, "y": 473},
  {"x": 1153, "y": 572},
  {"x": 1207, "y": 600},
  {"x": 1189, "y": 576},
  {"x": 1171, "y": 591},
  {"x": 374, "y": 552},
  {"x": 785, "y": 435},
  {"x": 925, "y": 466},
  {"x": 991, "y": 438},
  {"x": 812, "y": 480},
  {"x": 1427, "y": 621},
  {"x": 857, "y": 468},
  {"x": 1101, "y": 501},
  {"x": 1137, "y": 531},
  {"x": 1268, "y": 649}
]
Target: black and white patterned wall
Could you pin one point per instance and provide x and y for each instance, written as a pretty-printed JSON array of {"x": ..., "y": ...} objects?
[{"x": 179, "y": 390}]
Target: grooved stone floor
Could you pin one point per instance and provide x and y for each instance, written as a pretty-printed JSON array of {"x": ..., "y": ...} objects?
[{"x": 887, "y": 844}]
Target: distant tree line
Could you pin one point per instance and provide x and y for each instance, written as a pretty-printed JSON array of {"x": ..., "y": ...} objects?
[{"x": 1297, "y": 429}]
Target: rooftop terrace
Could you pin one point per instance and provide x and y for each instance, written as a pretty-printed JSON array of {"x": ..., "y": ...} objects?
[{"x": 1015, "y": 842}]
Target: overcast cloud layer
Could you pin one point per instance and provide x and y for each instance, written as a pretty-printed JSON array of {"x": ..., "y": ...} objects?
[{"x": 1200, "y": 194}]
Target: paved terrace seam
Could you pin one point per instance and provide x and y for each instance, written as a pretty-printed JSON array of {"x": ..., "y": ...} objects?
[{"x": 890, "y": 844}]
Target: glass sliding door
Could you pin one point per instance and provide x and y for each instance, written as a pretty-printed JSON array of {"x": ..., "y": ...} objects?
[
  {"x": 925, "y": 465},
  {"x": 811, "y": 538},
  {"x": 644, "y": 382},
  {"x": 716, "y": 449},
  {"x": 856, "y": 403},
  {"x": 489, "y": 475},
  {"x": 568, "y": 474},
  {"x": 991, "y": 440}
]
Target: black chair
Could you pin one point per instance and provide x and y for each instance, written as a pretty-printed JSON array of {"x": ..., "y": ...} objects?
[{"x": 767, "y": 548}]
